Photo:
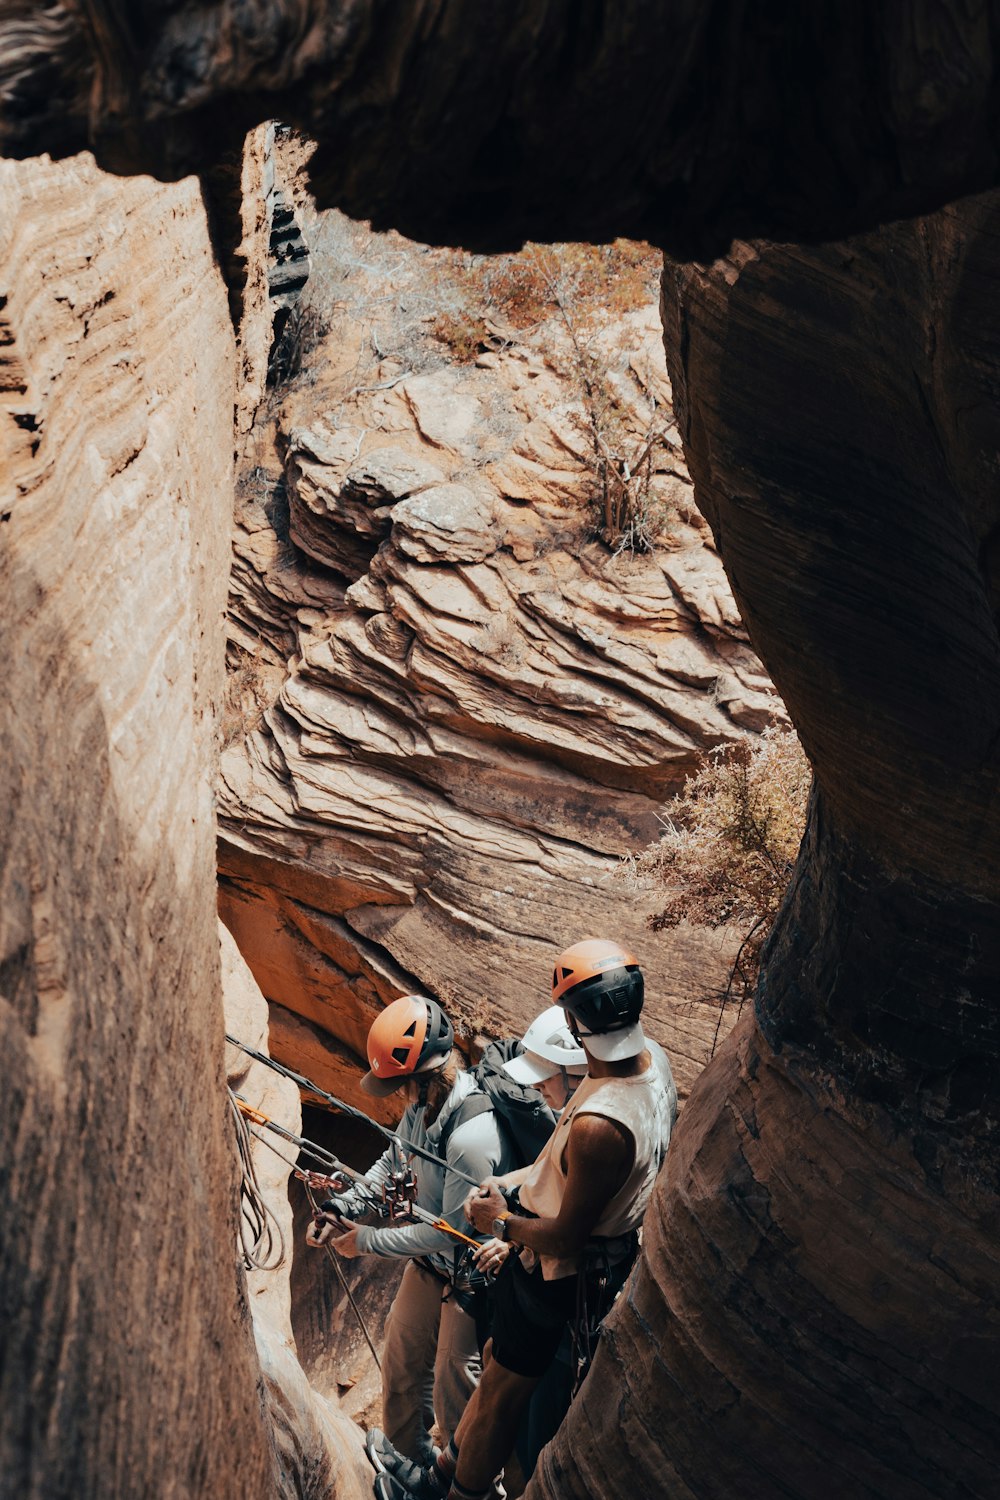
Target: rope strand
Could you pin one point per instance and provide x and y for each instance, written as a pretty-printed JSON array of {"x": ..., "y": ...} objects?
[{"x": 348, "y": 1109}]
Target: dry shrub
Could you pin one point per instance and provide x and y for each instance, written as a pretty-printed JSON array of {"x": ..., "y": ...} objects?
[
  {"x": 585, "y": 288},
  {"x": 600, "y": 281},
  {"x": 465, "y": 334},
  {"x": 246, "y": 696},
  {"x": 730, "y": 842}
]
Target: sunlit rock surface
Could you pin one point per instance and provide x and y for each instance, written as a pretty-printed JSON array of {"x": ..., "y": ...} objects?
[
  {"x": 481, "y": 708},
  {"x": 127, "y": 1364}
]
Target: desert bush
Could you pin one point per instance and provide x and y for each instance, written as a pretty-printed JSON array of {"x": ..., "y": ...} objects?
[
  {"x": 585, "y": 288},
  {"x": 729, "y": 844},
  {"x": 246, "y": 696}
]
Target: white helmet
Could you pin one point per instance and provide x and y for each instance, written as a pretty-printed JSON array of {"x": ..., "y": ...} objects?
[{"x": 549, "y": 1048}]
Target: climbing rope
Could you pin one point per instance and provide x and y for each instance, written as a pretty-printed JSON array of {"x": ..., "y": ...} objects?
[
  {"x": 394, "y": 1201},
  {"x": 348, "y": 1109},
  {"x": 260, "y": 1232},
  {"x": 335, "y": 1262},
  {"x": 385, "y": 1203},
  {"x": 242, "y": 1112}
]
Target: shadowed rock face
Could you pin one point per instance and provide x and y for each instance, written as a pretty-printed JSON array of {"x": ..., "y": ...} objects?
[
  {"x": 683, "y": 123},
  {"x": 816, "y": 1303}
]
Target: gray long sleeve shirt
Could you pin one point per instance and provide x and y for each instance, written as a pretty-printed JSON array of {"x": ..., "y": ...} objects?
[{"x": 476, "y": 1148}]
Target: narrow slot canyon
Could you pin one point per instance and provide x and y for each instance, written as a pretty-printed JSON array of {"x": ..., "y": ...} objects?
[{"x": 373, "y": 584}]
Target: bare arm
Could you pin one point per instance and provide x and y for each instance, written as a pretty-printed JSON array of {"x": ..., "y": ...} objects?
[
  {"x": 515, "y": 1178},
  {"x": 599, "y": 1157}
]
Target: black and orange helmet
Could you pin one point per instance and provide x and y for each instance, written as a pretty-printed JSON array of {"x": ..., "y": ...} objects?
[
  {"x": 412, "y": 1035},
  {"x": 600, "y": 983}
]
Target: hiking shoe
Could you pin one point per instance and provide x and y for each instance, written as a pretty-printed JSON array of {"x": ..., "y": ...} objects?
[
  {"x": 386, "y": 1488},
  {"x": 411, "y": 1478}
]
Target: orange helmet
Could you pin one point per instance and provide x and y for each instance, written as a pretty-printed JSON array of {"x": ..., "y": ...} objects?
[
  {"x": 599, "y": 982},
  {"x": 412, "y": 1035}
]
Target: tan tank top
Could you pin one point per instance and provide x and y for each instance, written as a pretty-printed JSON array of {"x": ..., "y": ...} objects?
[{"x": 643, "y": 1105}]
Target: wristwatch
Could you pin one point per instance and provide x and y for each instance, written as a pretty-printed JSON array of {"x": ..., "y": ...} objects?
[{"x": 500, "y": 1224}]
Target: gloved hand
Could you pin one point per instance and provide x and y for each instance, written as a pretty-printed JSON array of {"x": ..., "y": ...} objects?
[{"x": 339, "y": 1205}]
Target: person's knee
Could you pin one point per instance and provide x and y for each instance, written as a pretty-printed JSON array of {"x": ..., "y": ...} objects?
[{"x": 502, "y": 1388}]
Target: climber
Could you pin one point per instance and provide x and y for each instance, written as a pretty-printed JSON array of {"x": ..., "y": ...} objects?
[
  {"x": 586, "y": 1193},
  {"x": 553, "y": 1061},
  {"x": 430, "y": 1361}
]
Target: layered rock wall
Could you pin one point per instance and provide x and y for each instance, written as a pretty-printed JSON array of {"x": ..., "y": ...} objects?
[
  {"x": 127, "y": 1363},
  {"x": 800, "y": 121},
  {"x": 480, "y": 708}
]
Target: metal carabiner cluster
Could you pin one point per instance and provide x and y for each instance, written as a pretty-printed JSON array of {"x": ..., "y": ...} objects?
[{"x": 399, "y": 1193}]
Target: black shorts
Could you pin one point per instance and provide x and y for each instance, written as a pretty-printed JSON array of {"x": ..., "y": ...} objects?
[{"x": 529, "y": 1317}]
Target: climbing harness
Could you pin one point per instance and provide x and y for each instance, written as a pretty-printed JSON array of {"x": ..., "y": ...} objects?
[
  {"x": 603, "y": 1272},
  {"x": 348, "y": 1109}
]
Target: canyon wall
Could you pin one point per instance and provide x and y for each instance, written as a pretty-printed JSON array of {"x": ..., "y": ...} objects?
[
  {"x": 319, "y": 1446},
  {"x": 682, "y": 123},
  {"x": 816, "y": 1301},
  {"x": 817, "y": 1291},
  {"x": 119, "y": 1268},
  {"x": 470, "y": 710}
]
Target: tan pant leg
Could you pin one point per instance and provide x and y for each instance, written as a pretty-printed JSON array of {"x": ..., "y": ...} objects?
[
  {"x": 411, "y": 1338},
  {"x": 458, "y": 1366}
]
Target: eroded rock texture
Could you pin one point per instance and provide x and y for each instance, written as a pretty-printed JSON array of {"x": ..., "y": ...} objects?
[
  {"x": 838, "y": 410},
  {"x": 480, "y": 709},
  {"x": 127, "y": 1365},
  {"x": 817, "y": 1300},
  {"x": 682, "y": 123},
  {"x": 319, "y": 1447}
]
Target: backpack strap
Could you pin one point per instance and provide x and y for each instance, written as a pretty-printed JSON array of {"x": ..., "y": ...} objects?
[{"x": 471, "y": 1107}]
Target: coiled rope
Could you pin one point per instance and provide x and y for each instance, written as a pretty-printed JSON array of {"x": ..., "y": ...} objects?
[{"x": 261, "y": 1237}]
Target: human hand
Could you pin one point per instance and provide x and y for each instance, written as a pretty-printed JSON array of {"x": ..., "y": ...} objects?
[
  {"x": 491, "y": 1255},
  {"x": 485, "y": 1204},
  {"x": 345, "y": 1243},
  {"x": 337, "y": 1232},
  {"x": 319, "y": 1232}
]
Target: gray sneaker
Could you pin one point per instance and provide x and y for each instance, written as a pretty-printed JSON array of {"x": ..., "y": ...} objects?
[
  {"x": 407, "y": 1480},
  {"x": 386, "y": 1488}
]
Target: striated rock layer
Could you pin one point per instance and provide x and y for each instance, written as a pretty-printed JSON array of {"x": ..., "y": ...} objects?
[
  {"x": 118, "y": 1271},
  {"x": 483, "y": 709},
  {"x": 817, "y": 1303}
]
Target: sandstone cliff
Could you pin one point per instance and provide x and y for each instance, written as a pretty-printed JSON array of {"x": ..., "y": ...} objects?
[
  {"x": 479, "y": 707},
  {"x": 320, "y": 1448},
  {"x": 790, "y": 120},
  {"x": 118, "y": 1263}
]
